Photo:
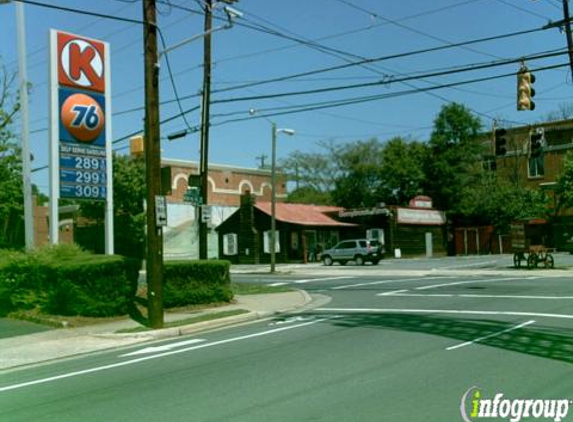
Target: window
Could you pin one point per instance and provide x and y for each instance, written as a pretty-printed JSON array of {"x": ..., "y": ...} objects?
[
  {"x": 347, "y": 245},
  {"x": 536, "y": 166},
  {"x": 537, "y": 145},
  {"x": 230, "y": 246},
  {"x": 267, "y": 241}
]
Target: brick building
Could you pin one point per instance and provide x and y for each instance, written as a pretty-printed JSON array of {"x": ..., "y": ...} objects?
[
  {"x": 226, "y": 183},
  {"x": 536, "y": 168}
]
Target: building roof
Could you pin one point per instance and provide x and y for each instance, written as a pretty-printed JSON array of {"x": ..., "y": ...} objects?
[{"x": 304, "y": 215}]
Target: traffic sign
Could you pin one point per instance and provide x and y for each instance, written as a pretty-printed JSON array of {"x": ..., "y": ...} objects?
[{"x": 205, "y": 213}]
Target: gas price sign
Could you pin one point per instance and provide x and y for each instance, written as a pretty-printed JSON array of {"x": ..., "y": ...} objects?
[{"x": 82, "y": 90}]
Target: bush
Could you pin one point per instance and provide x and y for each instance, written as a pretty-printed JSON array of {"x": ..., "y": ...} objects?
[
  {"x": 196, "y": 282},
  {"x": 96, "y": 286},
  {"x": 66, "y": 280}
]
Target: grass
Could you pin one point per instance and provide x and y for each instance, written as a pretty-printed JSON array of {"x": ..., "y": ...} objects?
[
  {"x": 257, "y": 289},
  {"x": 187, "y": 321}
]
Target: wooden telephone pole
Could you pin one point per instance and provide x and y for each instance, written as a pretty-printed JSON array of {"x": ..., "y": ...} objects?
[{"x": 154, "y": 257}]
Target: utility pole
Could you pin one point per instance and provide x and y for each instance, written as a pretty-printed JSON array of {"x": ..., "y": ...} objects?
[
  {"x": 262, "y": 158},
  {"x": 568, "y": 32},
  {"x": 154, "y": 256},
  {"x": 205, "y": 106}
]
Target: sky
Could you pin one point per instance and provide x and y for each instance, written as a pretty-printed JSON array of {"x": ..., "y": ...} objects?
[{"x": 368, "y": 59}]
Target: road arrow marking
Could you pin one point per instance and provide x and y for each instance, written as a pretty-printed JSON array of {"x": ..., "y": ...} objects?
[{"x": 164, "y": 348}]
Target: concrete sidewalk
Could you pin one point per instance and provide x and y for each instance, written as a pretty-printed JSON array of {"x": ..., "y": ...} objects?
[{"x": 66, "y": 342}]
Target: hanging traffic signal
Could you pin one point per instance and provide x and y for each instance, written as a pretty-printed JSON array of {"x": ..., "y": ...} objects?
[
  {"x": 500, "y": 142},
  {"x": 525, "y": 91},
  {"x": 536, "y": 144}
]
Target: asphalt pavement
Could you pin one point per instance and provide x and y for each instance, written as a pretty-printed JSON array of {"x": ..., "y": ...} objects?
[
  {"x": 25, "y": 344},
  {"x": 385, "y": 347}
]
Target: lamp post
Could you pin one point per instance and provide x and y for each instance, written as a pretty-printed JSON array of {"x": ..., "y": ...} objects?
[
  {"x": 272, "y": 248},
  {"x": 25, "y": 140}
]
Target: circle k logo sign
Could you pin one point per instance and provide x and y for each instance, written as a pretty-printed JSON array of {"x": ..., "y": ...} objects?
[{"x": 81, "y": 62}]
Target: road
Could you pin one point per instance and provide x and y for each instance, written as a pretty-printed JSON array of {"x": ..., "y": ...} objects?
[{"x": 384, "y": 348}]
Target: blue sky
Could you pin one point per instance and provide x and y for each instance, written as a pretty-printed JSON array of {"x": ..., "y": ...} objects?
[{"x": 305, "y": 35}]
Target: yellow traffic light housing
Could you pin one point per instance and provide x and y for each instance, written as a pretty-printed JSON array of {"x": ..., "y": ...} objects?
[
  {"x": 525, "y": 91},
  {"x": 136, "y": 147}
]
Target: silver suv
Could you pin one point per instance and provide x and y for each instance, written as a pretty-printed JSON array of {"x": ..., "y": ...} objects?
[{"x": 357, "y": 250}]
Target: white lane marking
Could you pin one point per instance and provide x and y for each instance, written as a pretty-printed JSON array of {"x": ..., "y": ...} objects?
[
  {"x": 485, "y": 280},
  {"x": 475, "y": 264},
  {"x": 289, "y": 320},
  {"x": 402, "y": 293},
  {"x": 164, "y": 348},
  {"x": 468, "y": 343},
  {"x": 394, "y": 293},
  {"x": 161, "y": 355},
  {"x": 375, "y": 283},
  {"x": 310, "y": 280},
  {"x": 441, "y": 311}
]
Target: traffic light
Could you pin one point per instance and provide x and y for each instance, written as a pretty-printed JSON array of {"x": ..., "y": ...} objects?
[
  {"x": 500, "y": 142},
  {"x": 525, "y": 91},
  {"x": 166, "y": 188},
  {"x": 136, "y": 147},
  {"x": 536, "y": 144}
]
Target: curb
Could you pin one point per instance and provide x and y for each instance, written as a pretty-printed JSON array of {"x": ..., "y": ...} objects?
[{"x": 165, "y": 333}]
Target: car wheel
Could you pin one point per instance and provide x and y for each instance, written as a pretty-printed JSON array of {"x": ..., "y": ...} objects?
[
  {"x": 327, "y": 260},
  {"x": 358, "y": 260}
]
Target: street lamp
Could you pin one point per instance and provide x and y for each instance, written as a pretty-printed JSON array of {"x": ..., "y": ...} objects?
[
  {"x": 25, "y": 139},
  {"x": 275, "y": 131}
]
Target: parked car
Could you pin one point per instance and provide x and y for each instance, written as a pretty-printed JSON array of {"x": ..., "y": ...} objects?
[{"x": 358, "y": 250}]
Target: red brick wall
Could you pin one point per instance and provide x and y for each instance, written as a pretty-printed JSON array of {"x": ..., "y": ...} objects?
[{"x": 226, "y": 183}]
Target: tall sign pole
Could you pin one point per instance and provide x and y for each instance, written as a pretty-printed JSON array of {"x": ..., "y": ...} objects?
[
  {"x": 80, "y": 126},
  {"x": 154, "y": 258}
]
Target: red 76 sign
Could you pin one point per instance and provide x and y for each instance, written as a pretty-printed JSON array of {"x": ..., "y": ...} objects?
[{"x": 81, "y": 62}]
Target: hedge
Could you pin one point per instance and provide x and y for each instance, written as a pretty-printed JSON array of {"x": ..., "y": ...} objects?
[
  {"x": 67, "y": 282},
  {"x": 196, "y": 282}
]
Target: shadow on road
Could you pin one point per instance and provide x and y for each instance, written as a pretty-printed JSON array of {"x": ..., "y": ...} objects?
[{"x": 545, "y": 342}]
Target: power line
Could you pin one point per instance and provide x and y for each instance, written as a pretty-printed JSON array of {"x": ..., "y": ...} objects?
[
  {"x": 393, "y": 80},
  {"x": 80, "y": 11},
  {"x": 379, "y": 59},
  {"x": 363, "y": 99}
]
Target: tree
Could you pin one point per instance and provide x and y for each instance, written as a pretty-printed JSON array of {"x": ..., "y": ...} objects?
[
  {"x": 314, "y": 174},
  {"x": 11, "y": 194},
  {"x": 402, "y": 172},
  {"x": 564, "y": 188},
  {"x": 129, "y": 216},
  {"x": 498, "y": 202},
  {"x": 453, "y": 162},
  {"x": 359, "y": 184}
]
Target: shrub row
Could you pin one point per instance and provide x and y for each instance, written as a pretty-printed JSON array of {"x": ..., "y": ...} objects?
[
  {"x": 67, "y": 281},
  {"x": 64, "y": 280},
  {"x": 196, "y": 282}
]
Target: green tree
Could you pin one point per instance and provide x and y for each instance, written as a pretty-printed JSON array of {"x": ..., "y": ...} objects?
[
  {"x": 454, "y": 156},
  {"x": 11, "y": 197},
  {"x": 129, "y": 216},
  {"x": 564, "y": 188},
  {"x": 314, "y": 174},
  {"x": 359, "y": 183},
  {"x": 498, "y": 202},
  {"x": 402, "y": 171}
]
